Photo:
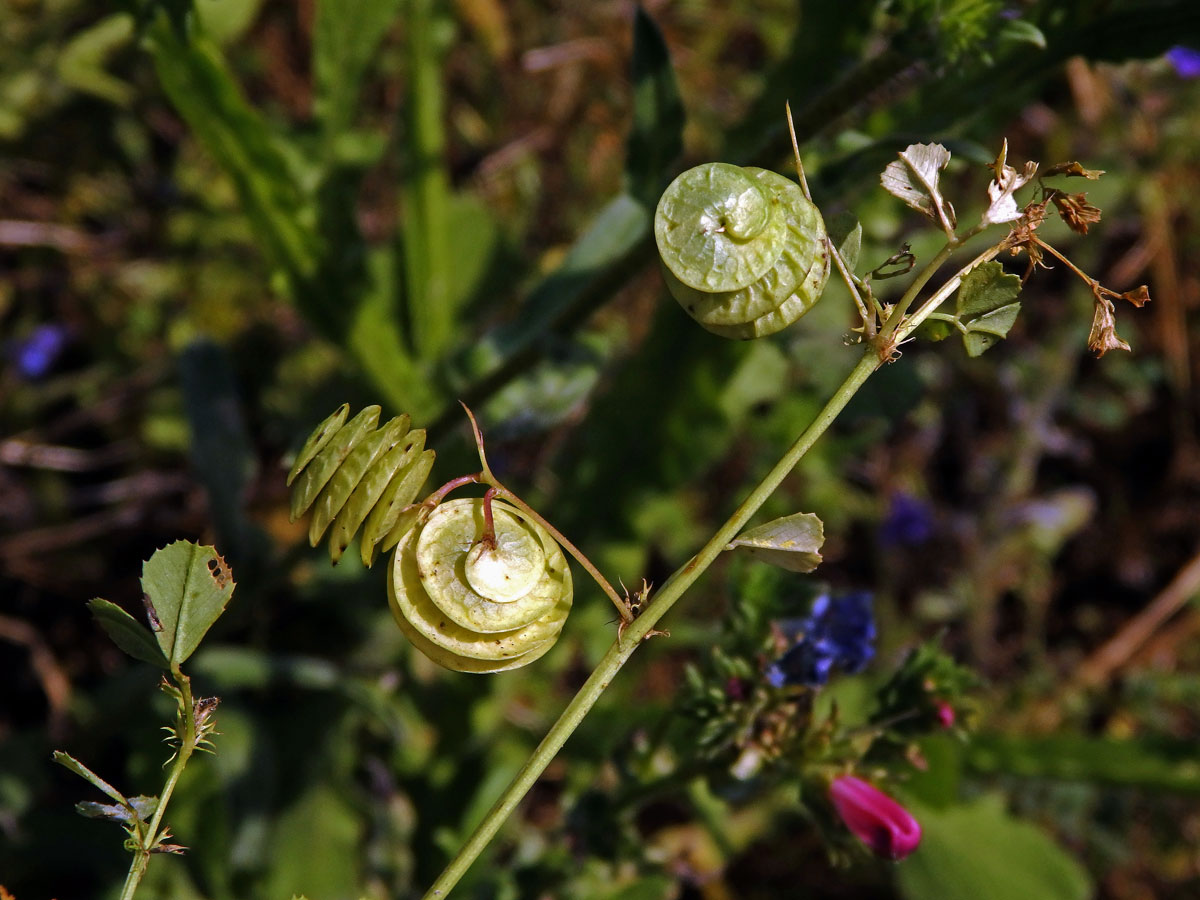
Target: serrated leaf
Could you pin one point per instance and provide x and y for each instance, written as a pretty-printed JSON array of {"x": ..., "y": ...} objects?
[
  {"x": 127, "y": 633},
  {"x": 792, "y": 542},
  {"x": 986, "y": 331},
  {"x": 987, "y": 306},
  {"x": 985, "y": 288},
  {"x": 68, "y": 761},
  {"x": 189, "y": 586},
  {"x": 846, "y": 233},
  {"x": 656, "y": 137},
  {"x": 914, "y": 179}
]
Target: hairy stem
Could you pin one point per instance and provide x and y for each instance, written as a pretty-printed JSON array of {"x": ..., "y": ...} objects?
[{"x": 186, "y": 734}]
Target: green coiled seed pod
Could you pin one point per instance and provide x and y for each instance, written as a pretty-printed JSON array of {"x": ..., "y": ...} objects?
[
  {"x": 350, "y": 473},
  {"x": 743, "y": 250},
  {"x": 472, "y": 607}
]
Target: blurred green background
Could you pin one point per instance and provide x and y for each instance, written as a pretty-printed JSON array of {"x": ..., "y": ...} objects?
[{"x": 218, "y": 223}]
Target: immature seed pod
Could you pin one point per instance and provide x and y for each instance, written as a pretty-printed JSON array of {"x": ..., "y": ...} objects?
[
  {"x": 472, "y": 606},
  {"x": 351, "y": 473},
  {"x": 743, "y": 250}
]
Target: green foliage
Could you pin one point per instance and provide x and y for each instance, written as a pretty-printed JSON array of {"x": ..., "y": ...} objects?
[
  {"x": 977, "y": 851},
  {"x": 187, "y": 588},
  {"x": 792, "y": 542},
  {"x": 656, "y": 135},
  {"x": 240, "y": 216}
]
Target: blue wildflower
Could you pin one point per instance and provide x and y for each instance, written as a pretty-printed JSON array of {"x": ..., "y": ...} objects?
[
  {"x": 908, "y": 523},
  {"x": 1185, "y": 60},
  {"x": 37, "y": 353},
  {"x": 840, "y": 631}
]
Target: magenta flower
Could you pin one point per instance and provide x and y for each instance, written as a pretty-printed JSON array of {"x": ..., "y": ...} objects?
[
  {"x": 875, "y": 818},
  {"x": 945, "y": 714}
]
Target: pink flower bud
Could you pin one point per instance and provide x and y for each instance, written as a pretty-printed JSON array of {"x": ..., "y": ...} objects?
[
  {"x": 875, "y": 818},
  {"x": 945, "y": 714}
]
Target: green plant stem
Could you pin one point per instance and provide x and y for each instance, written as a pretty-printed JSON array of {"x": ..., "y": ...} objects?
[
  {"x": 623, "y": 648},
  {"x": 187, "y": 744},
  {"x": 683, "y": 578},
  {"x": 900, "y": 310}
]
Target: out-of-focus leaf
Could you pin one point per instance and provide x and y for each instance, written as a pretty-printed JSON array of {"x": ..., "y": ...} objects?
[
  {"x": 615, "y": 240},
  {"x": 846, "y": 233},
  {"x": 760, "y": 377},
  {"x": 987, "y": 305},
  {"x": 189, "y": 586},
  {"x": 242, "y": 668},
  {"x": 68, "y": 761},
  {"x": 225, "y": 21},
  {"x": 195, "y": 77},
  {"x": 656, "y": 137},
  {"x": 316, "y": 846},
  {"x": 792, "y": 542},
  {"x": 127, "y": 633},
  {"x": 1021, "y": 31},
  {"x": 428, "y": 246},
  {"x": 977, "y": 851},
  {"x": 489, "y": 20},
  {"x": 914, "y": 179},
  {"x": 1002, "y": 206},
  {"x": 346, "y": 37},
  {"x": 81, "y": 62},
  {"x": 220, "y": 449},
  {"x": 651, "y": 887},
  {"x": 1158, "y": 764},
  {"x": 549, "y": 392}
]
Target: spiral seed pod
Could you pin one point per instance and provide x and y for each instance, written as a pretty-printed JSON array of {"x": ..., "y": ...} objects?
[
  {"x": 472, "y": 607},
  {"x": 351, "y": 473},
  {"x": 743, "y": 250}
]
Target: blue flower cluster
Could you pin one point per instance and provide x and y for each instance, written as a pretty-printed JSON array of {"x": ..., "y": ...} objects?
[{"x": 840, "y": 631}]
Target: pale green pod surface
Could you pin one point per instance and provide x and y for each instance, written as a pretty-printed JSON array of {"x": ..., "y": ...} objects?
[
  {"x": 316, "y": 441},
  {"x": 343, "y": 482},
  {"x": 793, "y": 246},
  {"x": 492, "y": 590},
  {"x": 335, "y": 450},
  {"x": 716, "y": 227},
  {"x": 356, "y": 474},
  {"x": 396, "y": 452},
  {"x": 515, "y": 596},
  {"x": 400, "y": 489},
  {"x": 406, "y": 493}
]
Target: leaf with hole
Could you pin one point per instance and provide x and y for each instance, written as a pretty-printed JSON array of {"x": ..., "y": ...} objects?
[{"x": 189, "y": 586}]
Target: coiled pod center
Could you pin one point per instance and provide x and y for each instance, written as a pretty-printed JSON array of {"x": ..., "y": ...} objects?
[
  {"x": 743, "y": 248},
  {"x": 476, "y": 604}
]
